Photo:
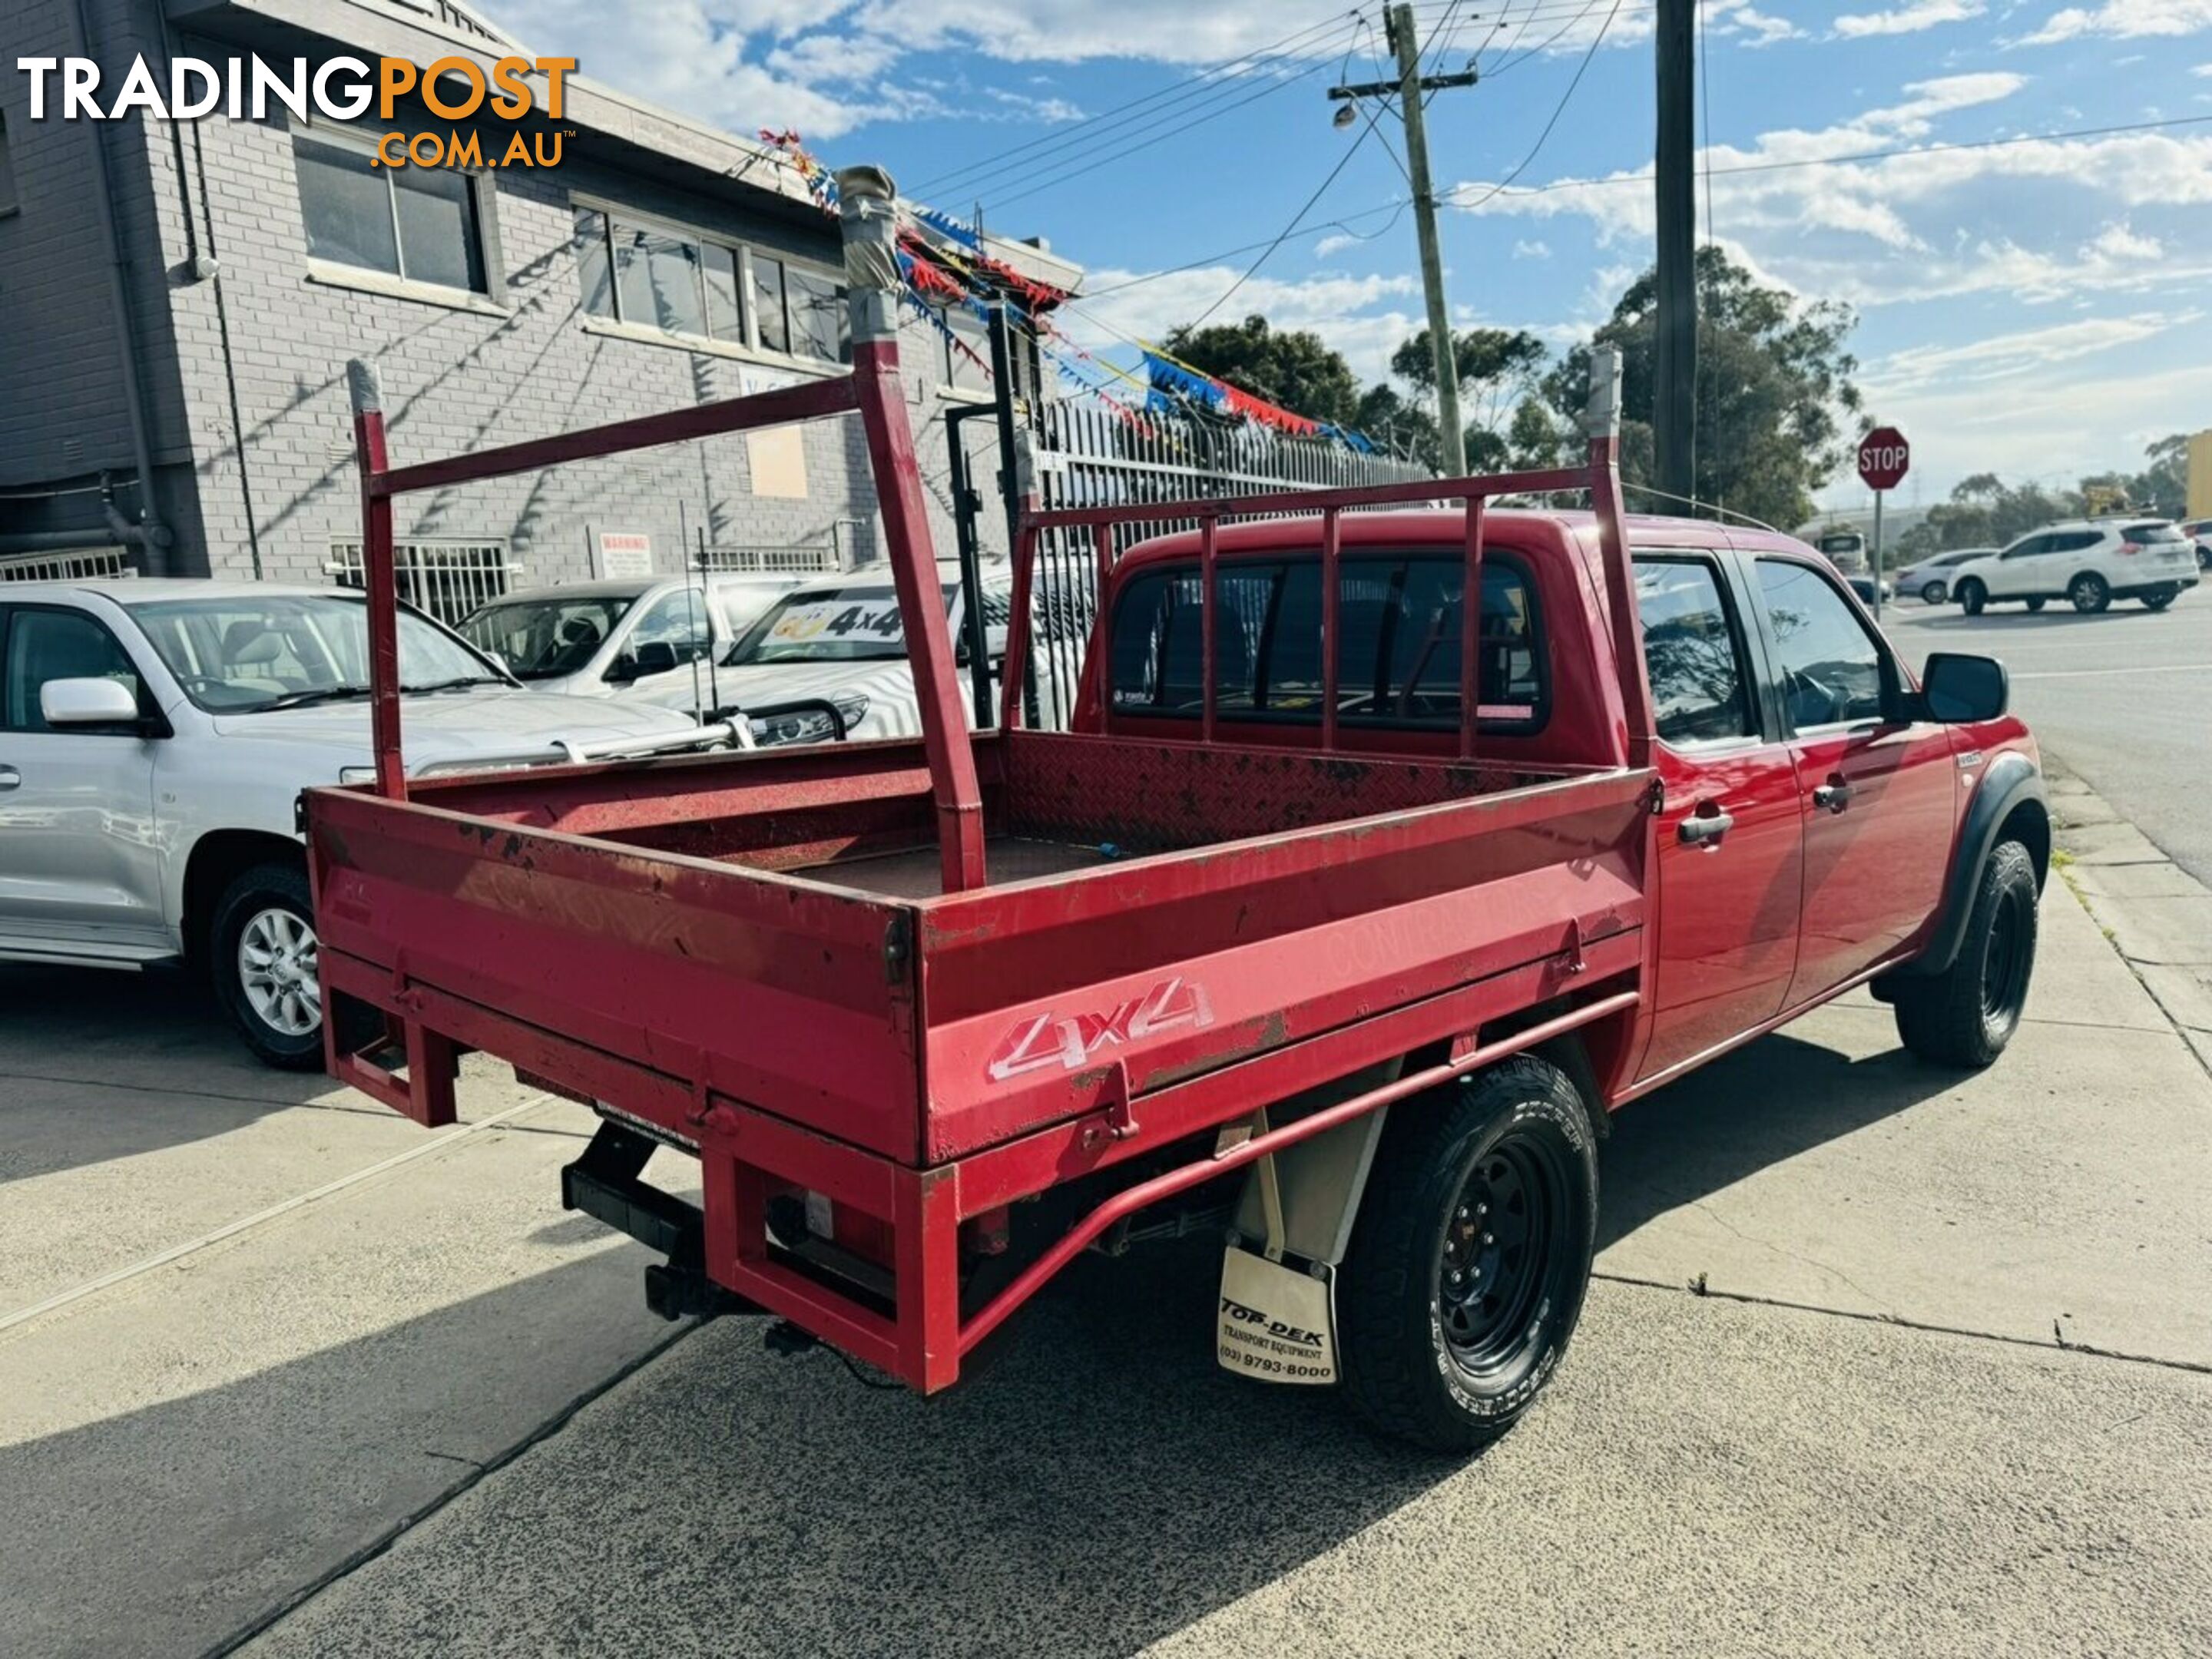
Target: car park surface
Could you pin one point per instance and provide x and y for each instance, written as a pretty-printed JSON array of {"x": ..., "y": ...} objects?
[{"x": 298, "y": 1431}]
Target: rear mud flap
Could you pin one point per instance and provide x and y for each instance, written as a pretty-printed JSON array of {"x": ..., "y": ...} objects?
[{"x": 1277, "y": 1322}]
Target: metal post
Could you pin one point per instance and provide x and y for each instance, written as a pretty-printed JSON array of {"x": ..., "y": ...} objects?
[
  {"x": 1674, "y": 404},
  {"x": 1209, "y": 670},
  {"x": 1330, "y": 531},
  {"x": 1470, "y": 632},
  {"x": 1408, "y": 46},
  {"x": 1873, "y": 561},
  {"x": 867, "y": 208},
  {"x": 964, "y": 544},
  {"x": 377, "y": 578}
]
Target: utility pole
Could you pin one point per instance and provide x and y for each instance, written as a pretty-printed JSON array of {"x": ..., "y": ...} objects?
[
  {"x": 1409, "y": 87},
  {"x": 1675, "y": 403}
]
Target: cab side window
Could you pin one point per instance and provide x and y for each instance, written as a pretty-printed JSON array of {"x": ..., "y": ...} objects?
[
  {"x": 58, "y": 645},
  {"x": 1693, "y": 653},
  {"x": 1830, "y": 666}
]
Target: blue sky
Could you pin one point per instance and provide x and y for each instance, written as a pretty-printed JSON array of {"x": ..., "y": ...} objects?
[{"x": 2039, "y": 308}]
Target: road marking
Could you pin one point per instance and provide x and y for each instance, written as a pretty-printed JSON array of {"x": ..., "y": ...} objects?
[
  {"x": 177, "y": 1253},
  {"x": 2100, "y": 673}
]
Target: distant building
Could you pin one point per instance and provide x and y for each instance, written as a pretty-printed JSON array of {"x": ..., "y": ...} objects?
[{"x": 200, "y": 330}]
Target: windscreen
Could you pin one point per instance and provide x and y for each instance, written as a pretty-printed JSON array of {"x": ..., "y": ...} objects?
[
  {"x": 543, "y": 638},
  {"x": 852, "y": 623},
  {"x": 245, "y": 653}
]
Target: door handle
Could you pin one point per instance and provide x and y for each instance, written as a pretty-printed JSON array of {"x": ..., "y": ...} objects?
[
  {"x": 1703, "y": 828},
  {"x": 1835, "y": 794},
  {"x": 9, "y": 777}
]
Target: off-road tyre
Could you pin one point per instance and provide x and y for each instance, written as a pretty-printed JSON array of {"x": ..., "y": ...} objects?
[
  {"x": 1972, "y": 597},
  {"x": 263, "y": 895},
  {"x": 1429, "y": 1362},
  {"x": 2089, "y": 593},
  {"x": 1966, "y": 1015}
]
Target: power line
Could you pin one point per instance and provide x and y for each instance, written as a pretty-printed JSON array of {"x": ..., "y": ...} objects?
[
  {"x": 1052, "y": 181},
  {"x": 1209, "y": 79},
  {"x": 1284, "y": 234},
  {"x": 1558, "y": 109},
  {"x": 1867, "y": 155},
  {"x": 1398, "y": 206}
]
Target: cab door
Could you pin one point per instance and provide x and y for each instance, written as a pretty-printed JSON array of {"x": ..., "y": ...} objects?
[
  {"x": 80, "y": 860},
  {"x": 2022, "y": 568},
  {"x": 1730, "y": 834},
  {"x": 1878, "y": 785}
]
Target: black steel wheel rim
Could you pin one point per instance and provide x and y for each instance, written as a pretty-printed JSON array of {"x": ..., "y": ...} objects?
[
  {"x": 1500, "y": 1252},
  {"x": 2005, "y": 960}
]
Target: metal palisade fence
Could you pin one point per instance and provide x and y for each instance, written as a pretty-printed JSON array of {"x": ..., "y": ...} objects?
[{"x": 1090, "y": 454}]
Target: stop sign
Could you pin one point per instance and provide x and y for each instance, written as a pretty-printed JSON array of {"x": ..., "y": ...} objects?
[{"x": 1883, "y": 458}]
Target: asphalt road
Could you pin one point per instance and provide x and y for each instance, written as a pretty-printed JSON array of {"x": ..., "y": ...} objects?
[{"x": 2121, "y": 699}]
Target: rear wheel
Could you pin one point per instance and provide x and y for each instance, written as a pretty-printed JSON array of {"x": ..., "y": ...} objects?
[
  {"x": 1470, "y": 1256},
  {"x": 2035, "y": 604},
  {"x": 1973, "y": 596},
  {"x": 2089, "y": 592},
  {"x": 266, "y": 962},
  {"x": 1933, "y": 593},
  {"x": 1966, "y": 1015},
  {"x": 2158, "y": 599}
]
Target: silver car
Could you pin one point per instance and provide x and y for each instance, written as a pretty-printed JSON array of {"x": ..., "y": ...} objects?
[
  {"x": 623, "y": 636},
  {"x": 1930, "y": 577},
  {"x": 154, "y": 736}
]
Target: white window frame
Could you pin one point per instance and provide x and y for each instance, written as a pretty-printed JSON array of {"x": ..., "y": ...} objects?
[
  {"x": 484, "y": 196},
  {"x": 748, "y": 349}
]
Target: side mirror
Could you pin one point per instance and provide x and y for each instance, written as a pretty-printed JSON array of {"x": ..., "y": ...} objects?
[
  {"x": 1959, "y": 688},
  {"x": 88, "y": 702},
  {"x": 655, "y": 657}
]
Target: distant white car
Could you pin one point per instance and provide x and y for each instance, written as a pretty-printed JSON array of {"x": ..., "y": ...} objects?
[
  {"x": 838, "y": 643},
  {"x": 2088, "y": 563},
  {"x": 1930, "y": 577},
  {"x": 155, "y": 735},
  {"x": 621, "y": 636}
]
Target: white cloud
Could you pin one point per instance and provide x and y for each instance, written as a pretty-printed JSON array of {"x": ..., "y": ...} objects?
[
  {"x": 1908, "y": 19},
  {"x": 2005, "y": 355},
  {"x": 2125, "y": 20},
  {"x": 2205, "y": 70},
  {"x": 1531, "y": 251},
  {"x": 1335, "y": 242}
]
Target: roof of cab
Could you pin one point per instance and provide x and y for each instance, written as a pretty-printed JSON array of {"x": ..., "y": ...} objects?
[{"x": 1446, "y": 526}]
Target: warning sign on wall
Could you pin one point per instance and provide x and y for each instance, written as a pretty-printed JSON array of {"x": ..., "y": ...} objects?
[{"x": 625, "y": 553}]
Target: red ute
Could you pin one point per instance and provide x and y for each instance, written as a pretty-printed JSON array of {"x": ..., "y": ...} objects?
[{"x": 1375, "y": 900}]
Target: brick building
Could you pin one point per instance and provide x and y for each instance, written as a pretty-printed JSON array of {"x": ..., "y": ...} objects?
[{"x": 659, "y": 262}]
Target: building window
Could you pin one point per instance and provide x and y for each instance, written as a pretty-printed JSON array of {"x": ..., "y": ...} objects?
[
  {"x": 416, "y": 223},
  {"x": 8, "y": 202},
  {"x": 448, "y": 578},
  {"x": 678, "y": 282}
]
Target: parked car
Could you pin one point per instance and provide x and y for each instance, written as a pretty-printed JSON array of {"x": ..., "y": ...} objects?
[
  {"x": 1864, "y": 586},
  {"x": 2200, "y": 532},
  {"x": 2088, "y": 563},
  {"x": 837, "y": 641},
  {"x": 620, "y": 635},
  {"x": 1930, "y": 577},
  {"x": 154, "y": 737}
]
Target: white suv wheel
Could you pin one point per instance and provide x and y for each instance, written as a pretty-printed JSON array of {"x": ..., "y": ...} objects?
[{"x": 276, "y": 968}]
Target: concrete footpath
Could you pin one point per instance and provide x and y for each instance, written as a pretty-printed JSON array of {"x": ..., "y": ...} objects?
[{"x": 1881, "y": 1359}]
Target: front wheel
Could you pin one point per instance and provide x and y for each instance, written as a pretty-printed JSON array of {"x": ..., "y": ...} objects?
[
  {"x": 266, "y": 962},
  {"x": 2089, "y": 593},
  {"x": 1933, "y": 593},
  {"x": 2035, "y": 604},
  {"x": 1470, "y": 1256},
  {"x": 1966, "y": 1015},
  {"x": 1973, "y": 596}
]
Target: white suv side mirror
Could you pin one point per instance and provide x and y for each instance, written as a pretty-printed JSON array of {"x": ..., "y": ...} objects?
[{"x": 88, "y": 702}]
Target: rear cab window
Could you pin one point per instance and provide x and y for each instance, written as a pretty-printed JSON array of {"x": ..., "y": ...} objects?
[
  {"x": 1694, "y": 654},
  {"x": 1398, "y": 643}
]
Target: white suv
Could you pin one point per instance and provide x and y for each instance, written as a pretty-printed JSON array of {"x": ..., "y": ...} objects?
[{"x": 2088, "y": 563}]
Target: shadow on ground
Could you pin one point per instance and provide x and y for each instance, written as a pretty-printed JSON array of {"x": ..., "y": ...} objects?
[
  {"x": 167, "y": 1067},
  {"x": 1760, "y": 1106}
]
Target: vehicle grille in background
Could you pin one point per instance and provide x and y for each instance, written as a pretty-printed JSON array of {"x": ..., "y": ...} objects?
[
  {"x": 83, "y": 564},
  {"x": 446, "y": 578},
  {"x": 1089, "y": 455}
]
